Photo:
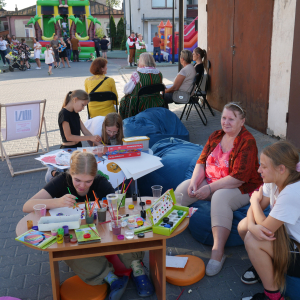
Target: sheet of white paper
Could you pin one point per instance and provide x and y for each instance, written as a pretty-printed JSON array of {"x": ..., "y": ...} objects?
[
  {"x": 114, "y": 173},
  {"x": 138, "y": 164},
  {"x": 67, "y": 211},
  {"x": 141, "y": 174},
  {"x": 176, "y": 262}
]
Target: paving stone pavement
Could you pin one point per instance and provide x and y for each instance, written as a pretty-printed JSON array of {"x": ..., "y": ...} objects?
[{"x": 24, "y": 272}]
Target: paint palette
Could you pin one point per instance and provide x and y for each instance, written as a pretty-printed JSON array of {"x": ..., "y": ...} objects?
[{"x": 165, "y": 206}]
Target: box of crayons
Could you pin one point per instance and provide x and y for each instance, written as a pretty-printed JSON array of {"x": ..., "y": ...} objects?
[
  {"x": 165, "y": 215},
  {"x": 115, "y": 152}
]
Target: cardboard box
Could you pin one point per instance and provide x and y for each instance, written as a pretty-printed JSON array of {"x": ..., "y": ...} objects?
[{"x": 163, "y": 207}]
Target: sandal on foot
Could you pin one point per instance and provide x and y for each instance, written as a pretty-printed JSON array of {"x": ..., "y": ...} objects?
[
  {"x": 143, "y": 285},
  {"x": 214, "y": 267},
  {"x": 118, "y": 288}
]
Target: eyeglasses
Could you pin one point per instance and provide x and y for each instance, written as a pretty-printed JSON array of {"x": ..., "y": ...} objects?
[{"x": 112, "y": 132}]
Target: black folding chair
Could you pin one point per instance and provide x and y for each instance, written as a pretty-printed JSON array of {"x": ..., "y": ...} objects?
[
  {"x": 194, "y": 101},
  {"x": 148, "y": 90},
  {"x": 201, "y": 90},
  {"x": 102, "y": 97}
]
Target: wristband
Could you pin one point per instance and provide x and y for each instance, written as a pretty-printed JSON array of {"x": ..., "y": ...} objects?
[{"x": 209, "y": 189}]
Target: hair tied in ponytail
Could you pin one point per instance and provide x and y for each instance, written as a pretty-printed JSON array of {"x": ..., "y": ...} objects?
[{"x": 298, "y": 167}]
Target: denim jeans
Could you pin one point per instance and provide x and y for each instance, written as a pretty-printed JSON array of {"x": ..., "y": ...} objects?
[
  {"x": 156, "y": 50},
  {"x": 68, "y": 54},
  {"x": 3, "y": 53}
]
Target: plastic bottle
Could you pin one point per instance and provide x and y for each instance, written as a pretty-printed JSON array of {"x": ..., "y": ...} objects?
[{"x": 169, "y": 252}]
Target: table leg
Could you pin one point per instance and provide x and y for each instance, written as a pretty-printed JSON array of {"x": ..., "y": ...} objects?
[
  {"x": 157, "y": 259},
  {"x": 54, "y": 270}
]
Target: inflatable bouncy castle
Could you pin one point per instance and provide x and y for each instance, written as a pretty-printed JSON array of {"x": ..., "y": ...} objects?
[
  {"x": 165, "y": 33},
  {"x": 75, "y": 15}
]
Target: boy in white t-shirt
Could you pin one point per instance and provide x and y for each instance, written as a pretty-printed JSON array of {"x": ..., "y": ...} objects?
[{"x": 273, "y": 242}]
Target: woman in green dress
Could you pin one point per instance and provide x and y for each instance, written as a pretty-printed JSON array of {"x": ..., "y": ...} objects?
[
  {"x": 140, "y": 47},
  {"x": 146, "y": 74}
]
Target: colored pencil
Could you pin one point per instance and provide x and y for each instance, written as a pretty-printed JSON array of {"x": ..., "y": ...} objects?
[
  {"x": 180, "y": 294},
  {"x": 128, "y": 185},
  {"x": 94, "y": 231},
  {"x": 87, "y": 204},
  {"x": 96, "y": 199},
  {"x": 71, "y": 194}
]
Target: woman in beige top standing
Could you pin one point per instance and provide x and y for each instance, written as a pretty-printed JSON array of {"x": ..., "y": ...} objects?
[{"x": 184, "y": 79}]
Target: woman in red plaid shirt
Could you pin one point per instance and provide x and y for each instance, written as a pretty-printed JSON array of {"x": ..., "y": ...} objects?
[{"x": 226, "y": 174}]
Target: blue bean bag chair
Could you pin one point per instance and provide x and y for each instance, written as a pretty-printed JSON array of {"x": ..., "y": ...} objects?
[
  {"x": 200, "y": 222},
  {"x": 176, "y": 156},
  {"x": 157, "y": 123},
  {"x": 292, "y": 287}
]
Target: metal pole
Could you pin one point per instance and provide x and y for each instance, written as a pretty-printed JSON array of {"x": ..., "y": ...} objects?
[
  {"x": 181, "y": 32},
  {"x": 143, "y": 25},
  {"x": 130, "y": 16},
  {"x": 111, "y": 44},
  {"x": 173, "y": 33}
]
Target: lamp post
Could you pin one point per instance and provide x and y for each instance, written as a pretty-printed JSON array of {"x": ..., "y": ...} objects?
[
  {"x": 173, "y": 33},
  {"x": 111, "y": 38},
  {"x": 130, "y": 15}
]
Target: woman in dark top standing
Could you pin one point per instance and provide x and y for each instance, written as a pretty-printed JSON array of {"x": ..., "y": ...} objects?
[
  {"x": 104, "y": 46},
  {"x": 70, "y": 125},
  {"x": 200, "y": 57}
]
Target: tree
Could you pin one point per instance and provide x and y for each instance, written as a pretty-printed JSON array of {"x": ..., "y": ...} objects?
[
  {"x": 3, "y": 3},
  {"x": 112, "y": 30},
  {"x": 113, "y": 3},
  {"x": 91, "y": 30},
  {"x": 56, "y": 24},
  {"x": 100, "y": 32},
  {"x": 73, "y": 26},
  {"x": 120, "y": 32},
  {"x": 38, "y": 30}
]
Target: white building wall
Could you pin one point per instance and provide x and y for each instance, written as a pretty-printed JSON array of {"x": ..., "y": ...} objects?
[
  {"x": 152, "y": 17},
  {"x": 202, "y": 24},
  {"x": 281, "y": 62}
]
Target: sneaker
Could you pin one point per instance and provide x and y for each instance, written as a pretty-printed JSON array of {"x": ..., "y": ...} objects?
[
  {"x": 259, "y": 296},
  {"x": 4, "y": 65},
  {"x": 250, "y": 276},
  {"x": 38, "y": 68}
]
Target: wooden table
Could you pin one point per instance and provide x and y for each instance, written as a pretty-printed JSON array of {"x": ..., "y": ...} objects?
[{"x": 154, "y": 243}]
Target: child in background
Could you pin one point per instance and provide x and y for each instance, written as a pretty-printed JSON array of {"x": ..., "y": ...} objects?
[
  {"x": 70, "y": 125},
  {"x": 49, "y": 58},
  {"x": 109, "y": 128},
  {"x": 92, "y": 57}
]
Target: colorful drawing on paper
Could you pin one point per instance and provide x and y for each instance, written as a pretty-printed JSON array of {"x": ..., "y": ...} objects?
[
  {"x": 113, "y": 167},
  {"x": 112, "y": 172}
]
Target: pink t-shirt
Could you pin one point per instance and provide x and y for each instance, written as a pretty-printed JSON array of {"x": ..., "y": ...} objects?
[{"x": 217, "y": 165}]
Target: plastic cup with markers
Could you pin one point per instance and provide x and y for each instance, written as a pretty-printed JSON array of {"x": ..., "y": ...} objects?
[
  {"x": 156, "y": 190},
  {"x": 39, "y": 210},
  {"x": 112, "y": 200}
]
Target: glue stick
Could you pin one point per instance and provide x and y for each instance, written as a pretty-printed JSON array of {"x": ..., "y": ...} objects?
[{"x": 60, "y": 239}]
